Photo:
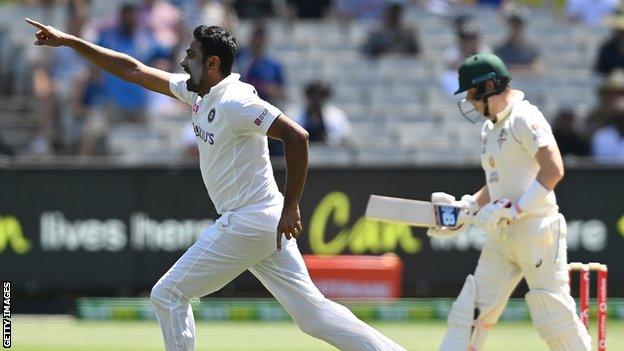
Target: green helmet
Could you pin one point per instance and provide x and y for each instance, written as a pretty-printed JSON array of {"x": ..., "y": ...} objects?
[{"x": 480, "y": 68}]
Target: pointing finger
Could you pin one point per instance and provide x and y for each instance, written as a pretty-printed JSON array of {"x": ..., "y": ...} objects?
[
  {"x": 36, "y": 24},
  {"x": 279, "y": 241}
]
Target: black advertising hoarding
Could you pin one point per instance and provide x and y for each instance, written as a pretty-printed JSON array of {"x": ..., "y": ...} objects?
[{"x": 115, "y": 231}]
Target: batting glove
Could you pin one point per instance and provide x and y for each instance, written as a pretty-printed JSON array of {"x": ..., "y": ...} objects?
[
  {"x": 491, "y": 215},
  {"x": 467, "y": 202}
]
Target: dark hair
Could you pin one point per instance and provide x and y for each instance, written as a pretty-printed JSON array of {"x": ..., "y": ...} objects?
[
  {"x": 318, "y": 86},
  {"x": 127, "y": 7},
  {"x": 219, "y": 42}
]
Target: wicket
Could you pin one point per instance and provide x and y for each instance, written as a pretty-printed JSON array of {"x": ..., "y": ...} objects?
[{"x": 584, "y": 293}]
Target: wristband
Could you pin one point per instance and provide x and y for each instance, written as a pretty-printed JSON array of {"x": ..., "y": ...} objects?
[{"x": 534, "y": 194}]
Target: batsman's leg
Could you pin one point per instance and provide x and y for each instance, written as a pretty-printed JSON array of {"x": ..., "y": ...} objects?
[
  {"x": 213, "y": 261},
  {"x": 284, "y": 274},
  {"x": 542, "y": 255},
  {"x": 482, "y": 299}
]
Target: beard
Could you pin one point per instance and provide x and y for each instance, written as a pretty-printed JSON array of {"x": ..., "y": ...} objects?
[
  {"x": 191, "y": 86},
  {"x": 195, "y": 72}
]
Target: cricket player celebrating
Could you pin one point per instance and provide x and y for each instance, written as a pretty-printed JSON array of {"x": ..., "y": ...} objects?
[
  {"x": 231, "y": 124},
  {"x": 518, "y": 210}
]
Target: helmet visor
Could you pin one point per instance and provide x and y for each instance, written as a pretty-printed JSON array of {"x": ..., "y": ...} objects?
[{"x": 468, "y": 110}]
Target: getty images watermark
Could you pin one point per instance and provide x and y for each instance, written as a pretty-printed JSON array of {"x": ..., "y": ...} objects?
[{"x": 6, "y": 314}]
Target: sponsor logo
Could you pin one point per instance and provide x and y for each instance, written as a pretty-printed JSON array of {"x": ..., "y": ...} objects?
[
  {"x": 260, "y": 118},
  {"x": 588, "y": 235},
  {"x": 494, "y": 178},
  {"x": 11, "y": 236},
  {"x": 539, "y": 263},
  {"x": 113, "y": 235},
  {"x": 333, "y": 213},
  {"x": 447, "y": 215},
  {"x": 195, "y": 108},
  {"x": 205, "y": 136}
]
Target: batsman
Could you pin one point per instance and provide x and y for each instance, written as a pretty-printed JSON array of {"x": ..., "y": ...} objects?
[{"x": 518, "y": 210}]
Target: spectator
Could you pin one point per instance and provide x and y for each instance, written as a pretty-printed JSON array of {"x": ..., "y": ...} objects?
[
  {"x": 308, "y": 9},
  {"x": 264, "y": 72},
  {"x": 89, "y": 101},
  {"x": 392, "y": 36},
  {"x": 492, "y": 3},
  {"x": 468, "y": 43},
  {"x": 608, "y": 142},
  {"x": 210, "y": 13},
  {"x": 571, "y": 142},
  {"x": 254, "y": 8},
  {"x": 519, "y": 55},
  {"x": 324, "y": 122},
  {"x": 609, "y": 93},
  {"x": 590, "y": 12},
  {"x": 53, "y": 85},
  {"x": 160, "y": 106},
  {"x": 5, "y": 149},
  {"x": 127, "y": 101},
  {"x": 611, "y": 52},
  {"x": 360, "y": 9},
  {"x": 161, "y": 19}
]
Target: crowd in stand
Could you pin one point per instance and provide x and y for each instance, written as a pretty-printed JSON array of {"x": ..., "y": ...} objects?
[{"x": 80, "y": 104}]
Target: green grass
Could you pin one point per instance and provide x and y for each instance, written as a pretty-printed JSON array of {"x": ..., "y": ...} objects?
[{"x": 56, "y": 334}]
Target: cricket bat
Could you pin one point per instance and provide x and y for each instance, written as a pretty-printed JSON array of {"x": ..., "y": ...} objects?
[{"x": 416, "y": 213}]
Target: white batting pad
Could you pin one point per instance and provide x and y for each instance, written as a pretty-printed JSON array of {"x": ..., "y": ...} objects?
[
  {"x": 556, "y": 322},
  {"x": 461, "y": 318}
]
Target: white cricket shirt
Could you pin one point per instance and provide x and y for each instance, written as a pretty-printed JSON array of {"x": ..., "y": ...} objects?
[
  {"x": 230, "y": 125},
  {"x": 508, "y": 153}
]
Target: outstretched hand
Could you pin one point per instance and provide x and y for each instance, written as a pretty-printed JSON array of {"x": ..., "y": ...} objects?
[
  {"x": 289, "y": 224},
  {"x": 47, "y": 35}
]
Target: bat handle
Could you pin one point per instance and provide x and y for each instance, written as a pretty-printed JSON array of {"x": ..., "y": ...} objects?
[{"x": 465, "y": 218}]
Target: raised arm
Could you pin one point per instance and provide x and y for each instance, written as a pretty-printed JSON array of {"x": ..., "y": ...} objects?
[{"x": 121, "y": 65}]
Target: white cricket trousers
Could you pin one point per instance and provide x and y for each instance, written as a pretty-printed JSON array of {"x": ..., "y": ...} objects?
[
  {"x": 533, "y": 248},
  {"x": 223, "y": 252}
]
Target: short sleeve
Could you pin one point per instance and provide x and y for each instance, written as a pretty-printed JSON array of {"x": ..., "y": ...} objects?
[
  {"x": 250, "y": 114},
  {"x": 532, "y": 131},
  {"x": 177, "y": 85}
]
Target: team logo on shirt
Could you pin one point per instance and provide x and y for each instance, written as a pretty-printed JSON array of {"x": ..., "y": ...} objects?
[
  {"x": 502, "y": 137},
  {"x": 211, "y": 115},
  {"x": 195, "y": 108},
  {"x": 260, "y": 118}
]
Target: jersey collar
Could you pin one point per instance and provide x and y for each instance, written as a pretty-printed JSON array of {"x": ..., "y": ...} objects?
[
  {"x": 507, "y": 111},
  {"x": 233, "y": 77}
]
